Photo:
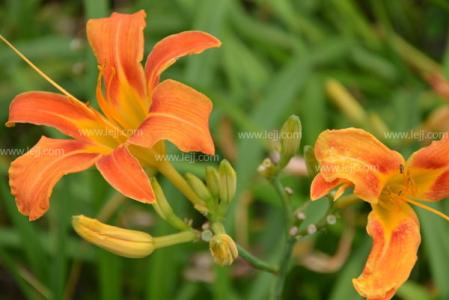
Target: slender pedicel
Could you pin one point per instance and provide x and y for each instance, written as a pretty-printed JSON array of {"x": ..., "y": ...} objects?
[{"x": 39, "y": 71}]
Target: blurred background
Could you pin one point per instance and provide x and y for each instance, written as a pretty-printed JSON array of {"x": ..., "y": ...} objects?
[{"x": 374, "y": 64}]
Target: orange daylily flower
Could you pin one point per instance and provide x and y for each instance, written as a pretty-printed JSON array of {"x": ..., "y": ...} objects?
[
  {"x": 139, "y": 112},
  {"x": 354, "y": 158}
]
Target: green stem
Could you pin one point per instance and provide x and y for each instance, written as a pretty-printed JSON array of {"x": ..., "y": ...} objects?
[
  {"x": 284, "y": 264},
  {"x": 286, "y": 205},
  {"x": 174, "y": 239},
  {"x": 284, "y": 267},
  {"x": 180, "y": 183},
  {"x": 256, "y": 262},
  {"x": 218, "y": 228}
]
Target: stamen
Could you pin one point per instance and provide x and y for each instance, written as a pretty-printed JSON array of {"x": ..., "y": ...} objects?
[
  {"x": 40, "y": 72},
  {"x": 428, "y": 208}
]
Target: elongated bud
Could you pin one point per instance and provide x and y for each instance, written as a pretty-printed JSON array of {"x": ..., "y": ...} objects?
[
  {"x": 199, "y": 187},
  {"x": 438, "y": 120},
  {"x": 213, "y": 181},
  {"x": 290, "y": 138},
  {"x": 161, "y": 205},
  {"x": 123, "y": 242},
  {"x": 228, "y": 181},
  {"x": 202, "y": 191},
  {"x": 223, "y": 249},
  {"x": 311, "y": 162},
  {"x": 345, "y": 101},
  {"x": 163, "y": 208}
]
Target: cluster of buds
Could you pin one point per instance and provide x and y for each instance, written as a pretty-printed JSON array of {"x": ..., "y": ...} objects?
[
  {"x": 289, "y": 142},
  {"x": 218, "y": 190},
  {"x": 214, "y": 197},
  {"x": 217, "y": 193}
]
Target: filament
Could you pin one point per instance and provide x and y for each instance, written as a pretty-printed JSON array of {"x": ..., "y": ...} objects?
[
  {"x": 40, "y": 72},
  {"x": 428, "y": 208}
]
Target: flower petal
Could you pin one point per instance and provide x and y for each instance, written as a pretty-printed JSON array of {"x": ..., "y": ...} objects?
[
  {"x": 70, "y": 116},
  {"x": 429, "y": 171},
  {"x": 320, "y": 187},
  {"x": 118, "y": 42},
  {"x": 179, "y": 114},
  {"x": 394, "y": 228},
  {"x": 358, "y": 157},
  {"x": 126, "y": 175},
  {"x": 168, "y": 50},
  {"x": 33, "y": 175}
]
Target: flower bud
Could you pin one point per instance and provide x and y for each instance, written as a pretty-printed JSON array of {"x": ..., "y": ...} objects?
[
  {"x": 228, "y": 181},
  {"x": 213, "y": 181},
  {"x": 311, "y": 162},
  {"x": 290, "y": 139},
  {"x": 223, "y": 249},
  {"x": 199, "y": 187},
  {"x": 163, "y": 208},
  {"x": 123, "y": 242}
]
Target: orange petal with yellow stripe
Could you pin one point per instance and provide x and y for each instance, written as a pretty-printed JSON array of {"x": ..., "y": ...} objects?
[
  {"x": 394, "y": 228},
  {"x": 118, "y": 43},
  {"x": 70, "y": 116},
  {"x": 126, "y": 175},
  {"x": 33, "y": 175},
  {"x": 179, "y": 114},
  {"x": 169, "y": 49},
  {"x": 358, "y": 157},
  {"x": 429, "y": 171}
]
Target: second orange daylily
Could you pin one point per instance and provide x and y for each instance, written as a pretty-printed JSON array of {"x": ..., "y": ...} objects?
[
  {"x": 139, "y": 113},
  {"x": 354, "y": 158}
]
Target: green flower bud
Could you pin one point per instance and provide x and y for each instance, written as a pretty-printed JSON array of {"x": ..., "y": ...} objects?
[
  {"x": 200, "y": 188},
  {"x": 213, "y": 181},
  {"x": 290, "y": 139},
  {"x": 228, "y": 182},
  {"x": 311, "y": 162},
  {"x": 163, "y": 208}
]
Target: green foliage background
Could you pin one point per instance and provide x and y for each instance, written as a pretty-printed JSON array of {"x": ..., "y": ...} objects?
[{"x": 275, "y": 59}]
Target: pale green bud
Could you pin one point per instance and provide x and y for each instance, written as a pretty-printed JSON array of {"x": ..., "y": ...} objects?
[
  {"x": 290, "y": 139},
  {"x": 200, "y": 188},
  {"x": 163, "y": 207},
  {"x": 311, "y": 162},
  {"x": 228, "y": 181},
  {"x": 213, "y": 181}
]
